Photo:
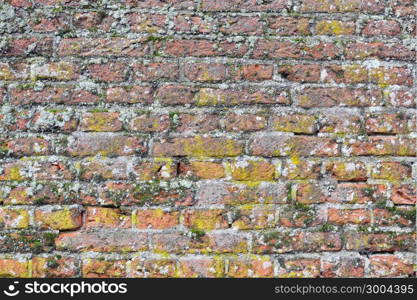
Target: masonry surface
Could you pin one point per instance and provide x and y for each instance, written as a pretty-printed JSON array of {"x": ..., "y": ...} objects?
[{"x": 207, "y": 138}]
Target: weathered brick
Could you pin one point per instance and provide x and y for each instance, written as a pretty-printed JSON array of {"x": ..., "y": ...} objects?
[
  {"x": 103, "y": 47},
  {"x": 329, "y": 97},
  {"x": 150, "y": 23},
  {"x": 297, "y": 123},
  {"x": 276, "y": 144},
  {"x": 201, "y": 267},
  {"x": 199, "y": 147},
  {"x": 153, "y": 268},
  {"x": 389, "y": 123},
  {"x": 362, "y": 50},
  {"x": 105, "y": 217},
  {"x": 110, "y": 72},
  {"x": 380, "y": 242},
  {"x": 61, "y": 71},
  {"x": 348, "y": 216},
  {"x": 299, "y": 268},
  {"x": 59, "y": 218},
  {"x": 380, "y": 146},
  {"x": 348, "y": 171},
  {"x": 214, "y": 97},
  {"x": 133, "y": 94},
  {"x": 101, "y": 121},
  {"x": 151, "y": 71},
  {"x": 252, "y": 170},
  {"x": 150, "y": 123},
  {"x": 390, "y": 266},
  {"x": 175, "y": 94},
  {"x": 393, "y": 171},
  {"x": 95, "y": 268},
  {"x": 334, "y": 27},
  {"x": 269, "y": 49},
  {"x": 357, "y": 193},
  {"x": 103, "y": 240},
  {"x": 343, "y": 267},
  {"x": 288, "y": 26},
  {"x": 241, "y": 25},
  {"x": 105, "y": 144},
  {"x": 54, "y": 267},
  {"x": 190, "y": 123},
  {"x": 382, "y": 27},
  {"x": 156, "y": 219},
  {"x": 210, "y": 138},
  {"x": 202, "y": 169},
  {"x": 282, "y": 242},
  {"x": 52, "y": 95},
  {"x": 14, "y": 218},
  {"x": 257, "y": 267},
  {"x": 16, "y": 268},
  {"x": 234, "y": 194},
  {"x": 205, "y": 219},
  {"x": 333, "y": 6},
  {"x": 403, "y": 194},
  {"x": 255, "y": 217}
]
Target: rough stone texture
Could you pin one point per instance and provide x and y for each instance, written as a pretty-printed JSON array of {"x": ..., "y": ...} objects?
[{"x": 208, "y": 138}]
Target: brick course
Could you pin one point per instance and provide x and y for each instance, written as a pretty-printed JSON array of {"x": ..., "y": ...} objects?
[{"x": 208, "y": 138}]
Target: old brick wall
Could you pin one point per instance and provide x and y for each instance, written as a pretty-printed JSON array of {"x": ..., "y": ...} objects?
[{"x": 212, "y": 138}]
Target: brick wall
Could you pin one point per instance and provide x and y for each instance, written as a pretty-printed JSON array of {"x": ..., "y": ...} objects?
[{"x": 210, "y": 138}]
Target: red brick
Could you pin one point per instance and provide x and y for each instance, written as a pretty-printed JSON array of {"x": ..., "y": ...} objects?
[
  {"x": 100, "y": 121},
  {"x": 103, "y": 47},
  {"x": 333, "y": 6},
  {"x": 244, "y": 267},
  {"x": 240, "y": 25},
  {"x": 289, "y": 26},
  {"x": 150, "y": 23},
  {"x": 404, "y": 194},
  {"x": 156, "y": 71},
  {"x": 150, "y": 123},
  {"x": 175, "y": 94},
  {"x": 230, "y": 97},
  {"x": 104, "y": 217},
  {"x": 156, "y": 219},
  {"x": 109, "y": 72},
  {"x": 381, "y": 146},
  {"x": 343, "y": 267},
  {"x": 105, "y": 144},
  {"x": 390, "y": 266},
  {"x": 299, "y": 268},
  {"x": 233, "y": 5},
  {"x": 267, "y": 49},
  {"x": 58, "y": 218},
  {"x": 348, "y": 216},
  {"x": 96, "y": 268},
  {"x": 54, "y": 267},
  {"x": 52, "y": 95},
  {"x": 329, "y": 97},
  {"x": 198, "y": 147},
  {"x": 201, "y": 48},
  {"x": 133, "y": 94},
  {"x": 244, "y": 122},
  {"x": 189, "y": 123}
]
